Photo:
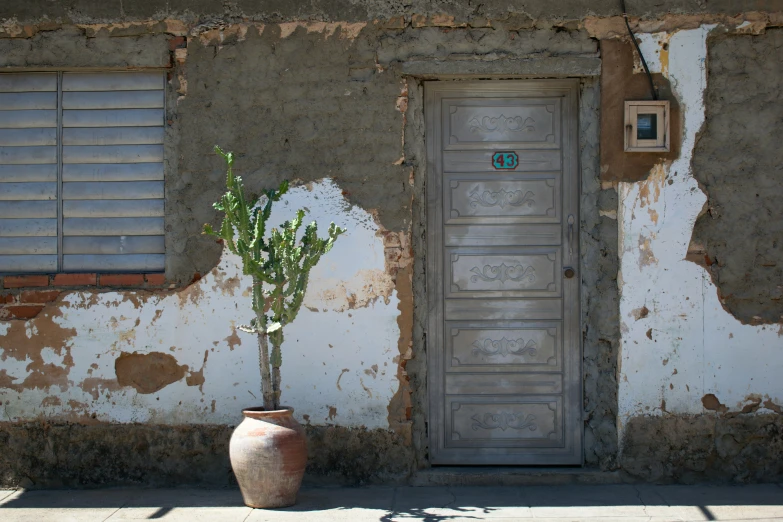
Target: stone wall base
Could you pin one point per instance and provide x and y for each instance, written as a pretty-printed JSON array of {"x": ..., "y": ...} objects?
[
  {"x": 704, "y": 448},
  {"x": 668, "y": 449},
  {"x": 58, "y": 454}
]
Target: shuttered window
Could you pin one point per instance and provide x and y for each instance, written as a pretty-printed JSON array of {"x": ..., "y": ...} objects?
[
  {"x": 28, "y": 172},
  {"x": 81, "y": 172}
]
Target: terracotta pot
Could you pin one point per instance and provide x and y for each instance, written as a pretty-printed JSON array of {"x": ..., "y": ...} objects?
[{"x": 268, "y": 452}]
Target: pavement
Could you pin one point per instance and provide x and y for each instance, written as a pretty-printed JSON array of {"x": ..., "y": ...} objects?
[{"x": 430, "y": 504}]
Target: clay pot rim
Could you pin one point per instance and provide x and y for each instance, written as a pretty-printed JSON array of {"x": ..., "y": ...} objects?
[{"x": 258, "y": 412}]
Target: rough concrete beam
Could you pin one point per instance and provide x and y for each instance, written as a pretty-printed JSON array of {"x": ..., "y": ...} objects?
[
  {"x": 71, "y": 48},
  {"x": 561, "y": 66},
  {"x": 90, "y": 11}
]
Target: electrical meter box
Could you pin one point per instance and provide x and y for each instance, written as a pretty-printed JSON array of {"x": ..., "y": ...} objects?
[{"x": 647, "y": 126}]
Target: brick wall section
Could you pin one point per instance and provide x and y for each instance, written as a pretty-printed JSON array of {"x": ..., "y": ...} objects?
[
  {"x": 75, "y": 280},
  {"x": 22, "y": 281},
  {"x": 24, "y": 296}
]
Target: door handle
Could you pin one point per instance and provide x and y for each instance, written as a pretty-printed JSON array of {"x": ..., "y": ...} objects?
[
  {"x": 569, "y": 272},
  {"x": 570, "y": 237}
]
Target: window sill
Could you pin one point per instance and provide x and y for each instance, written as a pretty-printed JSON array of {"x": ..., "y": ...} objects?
[{"x": 24, "y": 296}]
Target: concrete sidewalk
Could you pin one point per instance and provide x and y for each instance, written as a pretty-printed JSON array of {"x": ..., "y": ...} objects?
[{"x": 432, "y": 504}]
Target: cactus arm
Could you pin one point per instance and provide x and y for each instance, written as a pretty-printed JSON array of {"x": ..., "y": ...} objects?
[{"x": 280, "y": 266}]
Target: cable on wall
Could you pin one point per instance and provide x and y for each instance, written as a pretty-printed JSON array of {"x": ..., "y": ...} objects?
[{"x": 638, "y": 50}]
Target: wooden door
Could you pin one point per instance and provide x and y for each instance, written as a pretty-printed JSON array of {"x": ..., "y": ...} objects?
[{"x": 504, "y": 356}]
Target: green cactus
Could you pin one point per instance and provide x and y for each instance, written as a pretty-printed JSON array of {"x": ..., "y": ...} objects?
[{"x": 279, "y": 265}]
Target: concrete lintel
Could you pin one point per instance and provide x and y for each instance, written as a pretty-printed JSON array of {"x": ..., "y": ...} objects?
[
  {"x": 66, "y": 49},
  {"x": 550, "y": 66}
]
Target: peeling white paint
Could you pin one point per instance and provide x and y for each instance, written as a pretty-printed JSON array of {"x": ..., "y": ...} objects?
[
  {"x": 687, "y": 345},
  {"x": 318, "y": 346},
  {"x": 654, "y": 47}
]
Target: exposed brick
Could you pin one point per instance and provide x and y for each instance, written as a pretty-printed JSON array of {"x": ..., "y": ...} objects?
[
  {"x": 398, "y": 22},
  {"x": 22, "y": 281},
  {"x": 75, "y": 280},
  {"x": 122, "y": 279},
  {"x": 695, "y": 257},
  {"x": 176, "y": 27},
  {"x": 391, "y": 240},
  {"x": 177, "y": 42},
  {"x": 39, "y": 296},
  {"x": 155, "y": 279},
  {"x": 393, "y": 256},
  {"x": 49, "y": 26},
  {"x": 22, "y": 311},
  {"x": 7, "y": 299},
  {"x": 442, "y": 20},
  {"x": 418, "y": 20}
]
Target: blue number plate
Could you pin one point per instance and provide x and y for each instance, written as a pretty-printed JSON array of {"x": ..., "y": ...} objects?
[{"x": 505, "y": 160}]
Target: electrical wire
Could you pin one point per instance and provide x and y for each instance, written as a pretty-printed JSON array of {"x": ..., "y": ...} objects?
[{"x": 638, "y": 50}]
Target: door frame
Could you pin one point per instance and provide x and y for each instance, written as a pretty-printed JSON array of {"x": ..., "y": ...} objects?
[{"x": 569, "y": 88}]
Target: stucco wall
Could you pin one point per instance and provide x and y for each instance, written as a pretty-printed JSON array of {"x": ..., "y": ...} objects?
[
  {"x": 339, "y": 354},
  {"x": 685, "y": 362},
  {"x": 325, "y": 105},
  {"x": 176, "y": 358},
  {"x": 738, "y": 163},
  {"x": 336, "y": 105},
  {"x": 600, "y": 327}
]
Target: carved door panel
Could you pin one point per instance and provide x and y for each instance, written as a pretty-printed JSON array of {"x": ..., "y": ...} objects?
[{"x": 503, "y": 344}]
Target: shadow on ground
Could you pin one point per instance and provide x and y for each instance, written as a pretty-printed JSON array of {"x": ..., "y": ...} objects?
[{"x": 431, "y": 504}]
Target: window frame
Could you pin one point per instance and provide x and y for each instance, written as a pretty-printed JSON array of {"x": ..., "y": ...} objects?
[
  {"x": 60, "y": 163},
  {"x": 660, "y": 108}
]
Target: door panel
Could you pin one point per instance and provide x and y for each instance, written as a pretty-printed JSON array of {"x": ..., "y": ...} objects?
[
  {"x": 487, "y": 123},
  {"x": 481, "y": 161},
  {"x": 503, "y": 335},
  {"x": 501, "y": 310},
  {"x": 503, "y": 347},
  {"x": 513, "y": 199},
  {"x": 503, "y": 272},
  {"x": 516, "y": 383},
  {"x": 497, "y": 422},
  {"x": 482, "y": 235}
]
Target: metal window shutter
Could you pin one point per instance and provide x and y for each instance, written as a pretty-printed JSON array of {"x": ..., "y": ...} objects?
[
  {"x": 28, "y": 172},
  {"x": 112, "y": 172}
]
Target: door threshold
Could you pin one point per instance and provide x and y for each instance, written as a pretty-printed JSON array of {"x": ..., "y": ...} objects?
[{"x": 514, "y": 476}]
